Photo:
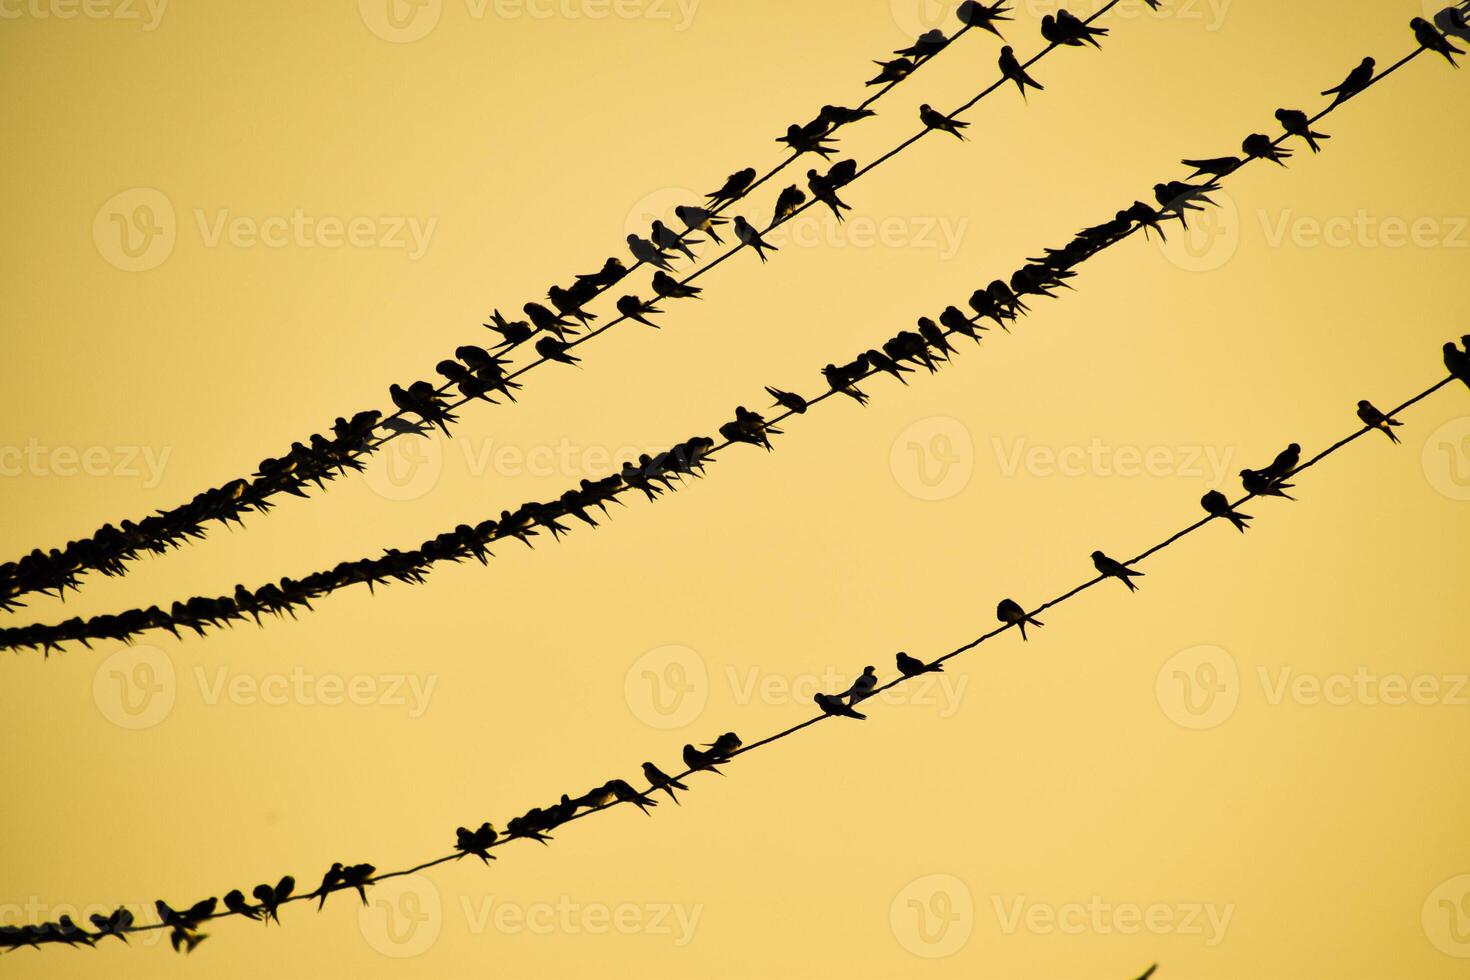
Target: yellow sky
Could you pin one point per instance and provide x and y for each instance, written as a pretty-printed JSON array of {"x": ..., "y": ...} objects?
[{"x": 348, "y": 190}]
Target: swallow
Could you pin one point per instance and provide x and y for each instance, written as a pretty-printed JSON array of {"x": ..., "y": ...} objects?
[
  {"x": 788, "y": 203},
  {"x": 1258, "y": 146},
  {"x": 879, "y": 361},
  {"x": 358, "y": 876},
  {"x": 1430, "y": 38},
  {"x": 864, "y": 686},
  {"x": 671, "y": 241},
  {"x": 837, "y": 116},
  {"x": 1013, "y": 69},
  {"x": 551, "y": 349},
  {"x": 512, "y": 332},
  {"x": 788, "y": 400},
  {"x": 1067, "y": 29},
  {"x": 934, "y": 119},
  {"x": 271, "y": 898},
  {"x": 568, "y": 302},
  {"x": 698, "y": 219},
  {"x": 734, "y": 187},
  {"x": 1146, "y": 218},
  {"x": 750, "y": 235},
  {"x": 658, "y": 779},
  {"x": 1010, "y": 612},
  {"x": 724, "y": 747},
  {"x": 1374, "y": 419},
  {"x": 330, "y": 881},
  {"x": 808, "y": 139},
  {"x": 1358, "y": 79},
  {"x": 933, "y": 336},
  {"x": 913, "y": 667},
  {"x": 1179, "y": 197},
  {"x": 1298, "y": 123},
  {"x": 825, "y": 190},
  {"x": 749, "y": 427},
  {"x": 927, "y": 46},
  {"x": 117, "y": 924},
  {"x": 698, "y": 761},
  {"x": 844, "y": 379},
  {"x": 546, "y": 321},
  {"x": 667, "y": 287},
  {"x": 612, "y": 272},
  {"x": 975, "y": 14},
  {"x": 833, "y": 705},
  {"x": 235, "y": 902},
  {"x": 1213, "y": 166},
  {"x": 1458, "y": 362},
  {"x": 1258, "y": 483},
  {"x": 476, "y": 842},
  {"x": 1109, "y": 568},
  {"x": 893, "y": 71},
  {"x": 647, "y": 253},
  {"x": 1285, "y": 462},
  {"x": 1216, "y": 504},
  {"x": 634, "y": 308}
]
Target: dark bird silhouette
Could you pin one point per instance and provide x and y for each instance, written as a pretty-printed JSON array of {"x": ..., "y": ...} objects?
[
  {"x": 636, "y": 309},
  {"x": 1457, "y": 361},
  {"x": 1147, "y": 218},
  {"x": 811, "y": 138},
  {"x": 1216, "y": 504},
  {"x": 1179, "y": 197},
  {"x": 1374, "y": 419},
  {"x": 1261, "y": 484},
  {"x": 648, "y": 253},
  {"x": 1298, "y": 123},
  {"x": 836, "y": 116},
  {"x": 236, "y": 903},
  {"x": 824, "y": 189},
  {"x": 1213, "y": 167},
  {"x": 330, "y": 882},
  {"x": 568, "y": 302},
  {"x": 611, "y": 273},
  {"x": 658, "y": 779},
  {"x": 1010, "y": 612},
  {"x": 893, "y": 71},
  {"x": 833, "y": 705},
  {"x": 1258, "y": 146},
  {"x": 476, "y": 842},
  {"x": 1358, "y": 79},
  {"x": 863, "y": 687},
  {"x": 927, "y": 46},
  {"x": 934, "y": 119},
  {"x": 788, "y": 203},
  {"x": 1285, "y": 462},
  {"x": 1012, "y": 69},
  {"x": 735, "y": 185},
  {"x": 845, "y": 378},
  {"x": 1430, "y": 38},
  {"x": 749, "y": 427},
  {"x": 749, "y": 234},
  {"x": 546, "y": 321},
  {"x": 879, "y": 361},
  {"x": 724, "y": 748},
  {"x": 913, "y": 667},
  {"x": 668, "y": 287},
  {"x": 697, "y": 761},
  {"x": 1065, "y": 28},
  {"x": 698, "y": 219},
  {"x": 271, "y": 898},
  {"x": 623, "y": 792},
  {"x": 551, "y": 349},
  {"x": 788, "y": 400},
  {"x": 1114, "y": 569},
  {"x": 512, "y": 332},
  {"x": 671, "y": 241},
  {"x": 984, "y": 16}
]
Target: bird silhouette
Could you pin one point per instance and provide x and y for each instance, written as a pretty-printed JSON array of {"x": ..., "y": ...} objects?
[
  {"x": 658, "y": 779},
  {"x": 1216, "y": 504},
  {"x": 1374, "y": 419},
  {"x": 1430, "y": 38},
  {"x": 1285, "y": 462},
  {"x": 1016, "y": 72},
  {"x": 837, "y": 116},
  {"x": 1358, "y": 79},
  {"x": 671, "y": 241},
  {"x": 647, "y": 253},
  {"x": 811, "y": 138},
  {"x": 1298, "y": 123},
  {"x": 636, "y": 309},
  {"x": 1458, "y": 361},
  {"x": 824, "y": 189},
  {"x": 1261, "y": 484},
  {"x": 1066, "y": 29},
  {"x": 912, "y": 667},
  {"x": 834, "y": 706},
  {"x": 1258, "y": 146},
  {"x": 551, "y": 349},
  {"x": 928, "y": 45},
  {"x": 698, "y": 219},
  {"x": 271, "y": 897},
  {"x": 893, "y": 71},
  {"x": 788, "y": 400},
  {"x": 983, "y": 16},
  {"x": 1213, "y": 167},
  {"x": 236, "y": 903},
  {"x": 934, "y": 119},
  {"x": 748, "y": 234},
  {"x": 788, "y": 203},
  {"x": 548, "y": 322},
  {"x": 512, "y": 332},
  {"x": 863, "y": 687},
  {"x": 1109, "y": 568},
  {"x": 1011, "y": 613},
  {"x": 734, "y": 187},
  {"x": 476, "y": 842}
]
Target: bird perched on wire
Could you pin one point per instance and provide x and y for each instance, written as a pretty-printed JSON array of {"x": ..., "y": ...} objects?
[
  {"x": 1213, "y": 166},
  {"x": 1259, "y": 146},
  {"x": 863, "y": 687},
  {"x": 1457, "y": 361},
  {"x": 236, "y": 903},
  {"x": 934, "y": 119},
  {"x": 1260, "y": 484},
  {"x": 844, "y": 378},
  {"x": 1358, "y": 79},
  {"x": 912, "y": 666},
  {"x": 834, "y": 706},
  {"x": 636, "y": 309},
  {"x": 658, "y": 779},
  {"x": 928, "y": 45},
  {"x": 548, "y": 322},
  {"x": 1016, "y": 72},
  {"x": 811, "y": 138},
  {"x": 648, "y": 253},
  {"x": 272, "y": 897},
  {"x": 698, "y": 219},
  {"x": 1066, "y": 28},
  {"x": 1374, "y": 419},
  {"x": 569, "y": 302},
  {"x": 512, "y": 332},
  {"x": 1010, "y": 612},
  {"x": 611, "y": 273},
  {"x": 476, "y": 842},
  {"x": 1430, "y": 38},
  {"x": 1298, "y": 123},
  {"x": 1179, "y": 197},
  {"x": 698, "y": 761},
  {"x": 551, "y": 349},
  {"x": 824, "y": 189},
  {"x": 893, "y": 71},
  {"x": 837, "y": 116},
  {"x": 671, "y": 241},
  {"x": 975, "y": 14},
  {"x": 1216, "y": 504},
  {"x": 734, "y": 187},
  {"x": 788, "y": 203},
  {"x": 750, "y": 235},
  {"x": 1109, "y": 568},
  {"x": 667, "y": 287},
  {"x": 788, "y": 400},
  {"x": 1285, "y": 462}
]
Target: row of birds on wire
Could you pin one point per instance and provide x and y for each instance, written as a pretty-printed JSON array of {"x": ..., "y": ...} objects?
[
  {"x": 476, "y": 373},
  {"x": 537, "y": 823},
  {"x": 1002, "y": 303}
]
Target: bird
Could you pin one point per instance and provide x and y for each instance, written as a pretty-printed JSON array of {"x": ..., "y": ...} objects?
[
  {"x": 835, "y": 116},
  {"x": 235, "y": 902},
  {"x": 698, "y": 219},
  {"x": 623, "y": 792},
  {"x": 668, "y": 287},
  {"x": 750, "y": 235},
  {"x": 698, "y": 761},
  {"x": 734, "y": 187},
  {"x": 1260, "y": 484},
  {"x": 1358, "y": 79},
  {"x": 658, "y": 779},
  {"x": 1109, "y": 568},
  {"x": 1374, "y": 419},
  {"x": 927, "y": 46},
  {"x": 1213, "y": 167},
  {"x": 330, "y": 881},
  {"x": 788, "y": 203},
  {"x": 635, "y": 309},
  {"x": 671, "y": 241},
  {"x": 788, "y": 400},
  {"x": 1178, "y": 196},
  {"x": 1429, "y": 37},
  {"x": 1297, "y": 123},
  {"x": 913, "y": 667},
  {"x": 1013, "y": 69},
  {"x": 1010, "y": 612},
  {"x": 1258, "y": 146},
  {"x": 546, "y": 321},
  {"x": 1066, "y": 28},
  {"x": 611, "y": 273},
  {"x": 863, "y": 687},
  {"x": 1285, "y": 462},
  {"x": 834, "y": 706},
  {"x": 551, "y": 349},
  {"x": 893, "y": 71},
  {"x": 975, "y": 14},
  {"x": 825, "y": 190},
  {"x": 934, "y": 119},
  {"x": 476, "y": 842},
  {"x": 648, "y": 253},
  {"x": 1458, "y": 362},
  {"x": 512, "y": 332},
  {"x": 568, "y": 302},
  {"x": 808, "y": 139},
  {"x": 270, "y": 899},
  {"x": 1216, "y": 504}
]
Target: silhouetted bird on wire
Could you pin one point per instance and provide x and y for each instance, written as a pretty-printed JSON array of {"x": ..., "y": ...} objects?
[
  {"x": 1429, "y": 37},
  {"x": 912, "y": 667},
  {"x": 1115, "y": 569},
  {"x": 735, "y": 185},
  {"x": 1298, "y": 123},
  {"x": 984, "y": 16},
  {"x": 1010, "y": 612},
  {"x": 1358, "y": 79},
  {"x": 1374, "y": 419},
  {"x": 1013, "y": 69},
  {"x": 1216, "y": 504}
]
